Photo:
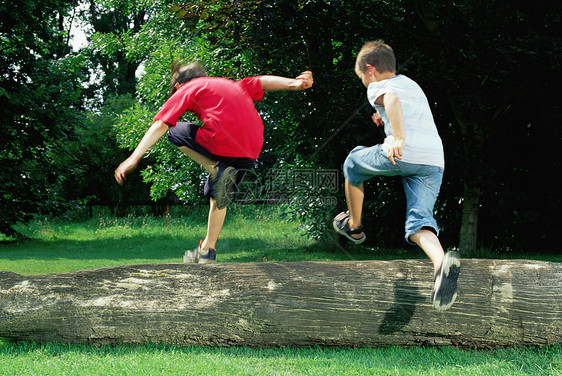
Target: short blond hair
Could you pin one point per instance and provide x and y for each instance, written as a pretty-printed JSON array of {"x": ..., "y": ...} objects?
[{"x": 378, "y": 54}]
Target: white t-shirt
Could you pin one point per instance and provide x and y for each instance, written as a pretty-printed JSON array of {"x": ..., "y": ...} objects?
[{"x": 423, "y": 144}]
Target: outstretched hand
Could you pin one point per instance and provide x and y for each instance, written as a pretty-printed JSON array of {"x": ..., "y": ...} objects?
[
  {"x": 124, "y": 169},
  {"x": 305, "y": 79}
]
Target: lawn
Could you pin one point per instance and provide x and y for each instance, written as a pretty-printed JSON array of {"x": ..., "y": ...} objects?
[
  {"x": 57, "y": 359},
  {"x": 249, "y": 236}
]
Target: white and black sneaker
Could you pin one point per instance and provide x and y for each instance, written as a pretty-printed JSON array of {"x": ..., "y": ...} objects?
[
  {"x": 445, "y": 282},
  {"x": 200, "y": 256}
]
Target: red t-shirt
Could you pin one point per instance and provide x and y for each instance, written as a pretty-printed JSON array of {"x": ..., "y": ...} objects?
[{"x": 232, "y": 126}]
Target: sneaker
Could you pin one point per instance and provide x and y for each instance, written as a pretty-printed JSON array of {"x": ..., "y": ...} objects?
[
  {"x": 341, "y": 225},
  {"x": 201, "y": 256},
  {"x": 223, "y": 184},
  {"x": 445, "y": 287}
]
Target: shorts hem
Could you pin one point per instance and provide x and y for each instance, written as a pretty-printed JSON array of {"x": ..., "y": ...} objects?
[{"x": 426, "y": 226}]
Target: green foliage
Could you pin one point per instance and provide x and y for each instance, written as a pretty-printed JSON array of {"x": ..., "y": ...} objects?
[
  {"x": 94, "y": 154},
  {"x": 39, "y": 107},
  {"x": 169, "y": 169},
  {"x": 475, "y": 60},
  {"x": 117, "y": 49},
  {"x": 311, "y": 193},
  {"x": 286, "y": 38}
]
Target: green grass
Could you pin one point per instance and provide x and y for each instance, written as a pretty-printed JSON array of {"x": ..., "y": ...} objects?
[
  {"x": 264, "y": 237},
  {"x": 56, "y": 359},
  {"x": 248, "y": 236}
]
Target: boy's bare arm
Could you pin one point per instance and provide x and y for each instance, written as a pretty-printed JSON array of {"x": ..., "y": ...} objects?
[
  {"x": 277, "y": 83},
  {"x": 153, "y": 134},
  {"x": 393, "y": 109}
]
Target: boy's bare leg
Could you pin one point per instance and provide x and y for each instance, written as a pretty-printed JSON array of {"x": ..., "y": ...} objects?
[
  {"x": 214, "y": 225},
  {"x": 446, "y": 267},
  {"x": 354, "y": 197},
  {"x": 216, "y": 215},
  {"x": 429, "y": 242},
  {"x": 205, "y": 162}
]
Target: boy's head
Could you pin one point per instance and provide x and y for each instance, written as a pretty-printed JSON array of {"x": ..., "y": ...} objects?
[
  {"x": 377, "y": 54},
  {"x": 185, "y": 73}
]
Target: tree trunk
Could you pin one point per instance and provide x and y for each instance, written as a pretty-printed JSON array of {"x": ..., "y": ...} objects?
[
  {"x": 470, "y": 211},
  {"x": 353, "y": 303}
]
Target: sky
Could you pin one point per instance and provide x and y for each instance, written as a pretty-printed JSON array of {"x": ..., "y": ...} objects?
[{"x": 78, "y": 40}]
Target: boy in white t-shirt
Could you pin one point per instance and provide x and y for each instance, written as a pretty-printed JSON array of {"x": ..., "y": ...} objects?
[{"x": 412, "y": 150}]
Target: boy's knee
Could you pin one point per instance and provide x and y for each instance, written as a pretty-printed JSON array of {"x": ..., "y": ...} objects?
[
  {"x": 348, "y": 165},
  {"x": 424, "y": 232}
]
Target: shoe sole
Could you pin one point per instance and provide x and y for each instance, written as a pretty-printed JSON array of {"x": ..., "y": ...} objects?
[
  {"x": 446, "y": 294},
  {"x": 223, "y": 186}
]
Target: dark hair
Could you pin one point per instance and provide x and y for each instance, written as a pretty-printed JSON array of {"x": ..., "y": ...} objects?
[
  {"x": 378, "y": 54},
  {"x": 185, "y": 73}
]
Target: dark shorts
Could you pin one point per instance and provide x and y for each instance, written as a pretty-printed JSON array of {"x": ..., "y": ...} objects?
[{"x": 183, "y": 134}]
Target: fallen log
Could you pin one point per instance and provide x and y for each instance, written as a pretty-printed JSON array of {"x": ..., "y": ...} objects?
[{"x": 366, "y": 303}]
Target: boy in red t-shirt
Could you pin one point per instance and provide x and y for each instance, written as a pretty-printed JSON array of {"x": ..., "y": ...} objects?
[{"x": 228, "y": 143}]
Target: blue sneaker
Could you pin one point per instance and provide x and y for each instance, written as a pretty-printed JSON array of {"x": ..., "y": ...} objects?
[
  {"x": 223, "y": 184},
  {"x": 200, "y": 256},
  {"x": 445, "y": 287}
]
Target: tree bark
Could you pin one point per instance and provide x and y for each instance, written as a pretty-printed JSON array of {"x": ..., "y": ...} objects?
[
  {"x": 353, "y": 303},
  {"x": 470, "y": 211}
]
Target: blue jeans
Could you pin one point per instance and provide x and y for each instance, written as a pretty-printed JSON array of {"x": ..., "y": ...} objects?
[{"x": 421, "y": 183}]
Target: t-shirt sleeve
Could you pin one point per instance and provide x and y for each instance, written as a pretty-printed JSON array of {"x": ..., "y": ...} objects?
[
  {"x": 377, "y": 89},
  {"x": 252, "y": 86},
  {"x": 176, "y": 106}
]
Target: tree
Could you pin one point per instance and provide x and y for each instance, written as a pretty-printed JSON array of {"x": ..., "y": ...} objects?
[
  {"x": 113, "y": 25},
  {"x": 39, "y": 105},
  {"x": 93, "y": 154},
  {"x": 285, "y": 38},
  {"x": 482, "y": 69},
  {"x": 474, "y": 61},
  {"x": 465, "y": 65}
]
